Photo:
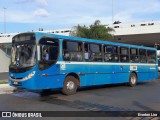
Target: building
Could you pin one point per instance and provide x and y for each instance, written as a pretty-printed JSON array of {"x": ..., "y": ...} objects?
[
  {"x": 5, "y": 51},
  {"x": 140, "y": 33}
]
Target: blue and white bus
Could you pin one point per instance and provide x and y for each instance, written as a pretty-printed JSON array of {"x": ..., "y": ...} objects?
[{"x": 43, "y": 61}]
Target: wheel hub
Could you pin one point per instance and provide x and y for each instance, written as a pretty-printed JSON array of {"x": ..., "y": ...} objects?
[
  {"x": 70, "y": 85},
  {"x": 133, "y": 80}
]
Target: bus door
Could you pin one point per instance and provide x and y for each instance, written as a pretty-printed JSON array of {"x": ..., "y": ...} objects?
[
  {"x": 122, "y": 67},
  {"x": 47, "y": 57}
]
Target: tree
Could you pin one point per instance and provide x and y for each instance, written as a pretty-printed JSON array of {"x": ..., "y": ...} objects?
[{"x": 94, "y": 31}]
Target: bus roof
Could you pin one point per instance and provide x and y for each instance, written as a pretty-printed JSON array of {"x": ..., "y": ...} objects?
[{"x": 41, "y": 34}]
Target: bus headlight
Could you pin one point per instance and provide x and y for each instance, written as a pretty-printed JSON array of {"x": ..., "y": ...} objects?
[{"x": 30, "y": 75}]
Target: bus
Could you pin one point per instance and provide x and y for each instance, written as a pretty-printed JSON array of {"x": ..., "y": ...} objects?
[{"x": 43, "y": 61}]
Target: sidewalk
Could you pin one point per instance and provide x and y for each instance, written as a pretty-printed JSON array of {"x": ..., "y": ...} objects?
[{"x": 6, "y": 89}]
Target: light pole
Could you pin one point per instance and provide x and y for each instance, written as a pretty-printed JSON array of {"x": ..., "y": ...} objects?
[
  {"x": 4, "y": 19},
  {"x": 112, "y": 11}
]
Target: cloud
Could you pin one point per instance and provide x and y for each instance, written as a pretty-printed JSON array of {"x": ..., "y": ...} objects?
[
  {"x": 38, "y": 2},
  {"x": 41, "y": 13},
  {"x": 73, "y": 12},
  {"x": 42, "y": 2},
  {"x": 23, "y": 1}
]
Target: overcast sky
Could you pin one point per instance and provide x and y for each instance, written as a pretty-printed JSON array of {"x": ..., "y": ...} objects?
[{"x": 27, "y": 15}]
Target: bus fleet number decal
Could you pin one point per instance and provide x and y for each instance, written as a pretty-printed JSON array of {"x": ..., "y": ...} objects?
[{"x": 133, "y": 67}]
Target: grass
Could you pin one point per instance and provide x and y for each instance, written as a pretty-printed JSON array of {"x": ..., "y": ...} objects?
[{"x": 3, "y": 82}]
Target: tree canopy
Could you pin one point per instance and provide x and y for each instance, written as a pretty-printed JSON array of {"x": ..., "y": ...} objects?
[{"x": 94, "y": 31}]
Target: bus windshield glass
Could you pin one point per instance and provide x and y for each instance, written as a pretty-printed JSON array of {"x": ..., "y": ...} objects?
[
  {"x": 23, "y": 52},
  {"x": 23, "y": 55}
]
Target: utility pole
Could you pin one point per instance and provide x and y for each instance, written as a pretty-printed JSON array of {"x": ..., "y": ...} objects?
[
  {"x": 112, "y": 11},
  {"x": 4, "y": 19}
]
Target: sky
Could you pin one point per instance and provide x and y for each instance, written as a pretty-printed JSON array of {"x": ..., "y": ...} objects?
[{"x": 28, "y": 15}]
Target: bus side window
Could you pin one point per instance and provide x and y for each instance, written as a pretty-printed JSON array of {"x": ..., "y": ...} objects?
[
  {"x": 66, "y": 55},
  {"x": 151, "y": 56},
  {"x": 86, "y": 52},
  {"x": 134, "y": 55},
  {"x": 108, "y": 53},
  {"x": 72, "y": 51},
  {"x": 124, "y": 54},
  {"x": 45, "y": 52},
  {"x": 142, "y": 55},
  {"x": 95, "y": 52},
  {"x": 111, "y": 53},
  {"x": 115, "y": 54},
  {"x": 53, "y": 53}
]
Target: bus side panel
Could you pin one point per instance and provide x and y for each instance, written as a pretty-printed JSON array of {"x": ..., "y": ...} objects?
[
  {"x": 92, "y": 73},
  {"x": 89, "y": 75},
  {"x": 142, "y": 73},
  {"x": 147, "y": 73},
  {"x": 122, "y": 73},
  {"x": 142, "y": 76},
  {"x": 49, "y": 82},
  {"x": 153, "y": 72},
  {"x": 104, "y": 74},
  {"x": 82, "y": 70}
]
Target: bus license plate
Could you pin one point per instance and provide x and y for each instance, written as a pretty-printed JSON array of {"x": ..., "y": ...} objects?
[{"x": 15, "y": 83}]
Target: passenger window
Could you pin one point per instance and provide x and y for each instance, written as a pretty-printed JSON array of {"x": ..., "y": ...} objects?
[
  {"x": 92, "y": 52},
  {"x": 72, "y": 51},
  {"x": 111, "y": 53},
  {"x": 151, "y": 56},
  {"x": 49, "y": 52},
  {"x": 142, "y": 56},
  {"x": 124, "y": 54},
  {"x": 134, "y": 55}
]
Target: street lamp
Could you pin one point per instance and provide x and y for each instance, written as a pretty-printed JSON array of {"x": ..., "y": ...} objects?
[
  {"x": 112, "y": 11},
  {"x": 4, "y": 19}
]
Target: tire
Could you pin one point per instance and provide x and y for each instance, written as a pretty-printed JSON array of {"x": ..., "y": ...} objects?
[
  {"x": 70, "y": 85},
  {"x": 132, "y": 79}
]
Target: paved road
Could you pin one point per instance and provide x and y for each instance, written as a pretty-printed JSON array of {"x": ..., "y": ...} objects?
[{"x": 143, "y": 97}]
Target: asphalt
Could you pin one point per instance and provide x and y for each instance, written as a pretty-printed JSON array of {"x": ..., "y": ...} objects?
[{"x": 143, "y": 97}]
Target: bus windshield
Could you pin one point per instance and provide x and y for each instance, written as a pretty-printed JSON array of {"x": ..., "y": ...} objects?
[
  {"x": 23, "y": 55},
  {"x": 23, "y": 52}
]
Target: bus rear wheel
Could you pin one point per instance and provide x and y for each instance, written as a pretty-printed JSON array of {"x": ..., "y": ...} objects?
[
  {"x": 132, "y": 79},
  {"x": 70, "y": 85}
]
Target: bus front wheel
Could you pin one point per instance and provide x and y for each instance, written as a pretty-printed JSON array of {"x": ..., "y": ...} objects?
[
  {"x": 132, "y": 79},
  {"x": 70, "y": 85}
]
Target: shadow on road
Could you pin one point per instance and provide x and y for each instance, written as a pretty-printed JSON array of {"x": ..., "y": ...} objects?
[{"x": 143, "y": 107}]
